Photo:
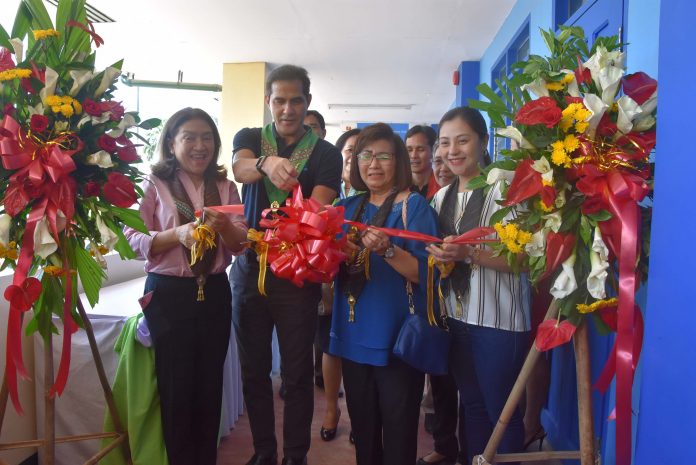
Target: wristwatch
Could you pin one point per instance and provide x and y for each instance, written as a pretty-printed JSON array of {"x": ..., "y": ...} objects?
[
  {"x": 259, "y": 165},
  {"x": 390, "y": 251}
]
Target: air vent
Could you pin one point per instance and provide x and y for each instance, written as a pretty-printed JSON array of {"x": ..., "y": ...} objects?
[{"x": 93, "y": 14}]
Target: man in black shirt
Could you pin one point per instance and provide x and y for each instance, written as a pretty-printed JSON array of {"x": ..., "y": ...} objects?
[{"x": 269, "y": 162}]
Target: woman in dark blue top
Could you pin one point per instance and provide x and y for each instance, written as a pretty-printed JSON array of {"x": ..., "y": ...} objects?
[{"x": 382, "y": 392}]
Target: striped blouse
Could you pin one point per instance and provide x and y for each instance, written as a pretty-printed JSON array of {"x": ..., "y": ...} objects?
[{"x": 496, "y": 299}]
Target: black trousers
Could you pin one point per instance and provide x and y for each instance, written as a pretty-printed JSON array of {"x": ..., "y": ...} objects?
[
  {"x": 191, "y": 340},
  {"x": 448, "y": 411},
  {"x": 293, "y": 312},
  {"x": 384, "y": 407}
]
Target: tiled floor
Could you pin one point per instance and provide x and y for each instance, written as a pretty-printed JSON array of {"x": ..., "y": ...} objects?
[{"x": 236, "y": 449}]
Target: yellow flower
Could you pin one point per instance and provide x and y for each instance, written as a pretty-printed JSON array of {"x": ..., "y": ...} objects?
[
  {"x": 10, "y": 251},
  {"x": 41, "y": 34},
  {"x": 543, "y": 207},
  {"x": 523, "y": 237},
  {"x": 582, "y": 113},
  {"x": 566, "y": 124},
  {"x": 77, "y": 106},
  {"x": 511, "y": 231},
  {"x": 571, "y": 143},
  {"x": 555, "y": 86},
  {"x": 14, "y": 73},
  {"x": 500, "y": 229},
  {"x": 513, "y": 247},
  {"x": 581, "y": 126},
  {"x": 560, "y": 158},
  {"x": 558, "y": 145},
  {"x": 53, "y": 270},
  {"x": 597, "y": 305},
  {"x": 569, "y": 111},
  {"x": 568, "y": 78},
  {"x": 67, "y": 110},
  {"x": 52, "y": 100}
]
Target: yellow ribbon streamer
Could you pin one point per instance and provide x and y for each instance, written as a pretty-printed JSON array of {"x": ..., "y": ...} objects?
[
  {"x": 445, "y": 270},
  {"x": 261, "y": 248},
  {"x": 205, "y": 240}
]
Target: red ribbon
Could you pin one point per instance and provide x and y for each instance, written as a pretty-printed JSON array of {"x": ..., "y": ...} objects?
[{"x": 229, "y": 209}]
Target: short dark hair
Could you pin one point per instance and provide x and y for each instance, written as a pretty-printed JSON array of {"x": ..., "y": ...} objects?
[
  {"x": 341, "y": 141},
  {"x": 288, "y": 73},
  {"x": 317, "y": 115},
  {"x": 402, "y": 170},
  {"x": 422, "y": 129},
  {"x": 166, "y": 165},
  {"x": 473, "y": 118}
]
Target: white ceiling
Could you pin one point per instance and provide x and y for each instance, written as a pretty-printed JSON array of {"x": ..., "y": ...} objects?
[{"x": 356, "y": 51}]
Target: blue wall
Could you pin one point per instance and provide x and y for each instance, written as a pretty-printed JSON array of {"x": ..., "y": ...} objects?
[{"x": 667, "y": 417}]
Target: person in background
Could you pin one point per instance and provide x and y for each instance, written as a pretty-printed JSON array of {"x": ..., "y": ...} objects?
[
  {"x": 314, "y": 120},
  {"x": 441, "y": 403},
  {"x": 270, "y": 162},
  {"x": 487, "y": 304},
  {"x": 383, "y": 393},
  {"x": 189, "y": 311},
  {"x": 419, "y": 142},
  {"x": 331, "y": 366}
]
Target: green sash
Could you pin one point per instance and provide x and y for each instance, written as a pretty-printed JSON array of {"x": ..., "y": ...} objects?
[{"x": 299, "y": 157}]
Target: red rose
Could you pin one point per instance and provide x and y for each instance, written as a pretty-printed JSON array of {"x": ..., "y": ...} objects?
[
  {"x": 91, "y": 189},
  {"x": 123, "y": 140},
  {"x": 9, "y": 110},
  {"x": 91, "y": 107},
  {"x": 5, "y": 59},
  {"x": 38, "y": 123},
  {"x": 541, "y": 111},
  {"x": 128, "y": 153},
  {"x": 119, "y": 190},
  {"x": 115, "y": 108},
  {"x": 107, "y": 143}
]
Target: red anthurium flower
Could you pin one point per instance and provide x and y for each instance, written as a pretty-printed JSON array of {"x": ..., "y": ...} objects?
[
  {"x": 128, "y": 153},
  {"x": 559, "y": 246},
  {"x": 119, "y": 190},
  {"x": 638, "y": 145},
  {"x": 91, "y": 107},
  {"x": 123, "y": 140},
  {"x": 639, "y": 86},
  {"x": 16, "y": 198},
  {"x": 582, "y": 74},
  {"x": 548, "y": 195},
  {"x": 38, "y": 123},
  {"x": 36, "y": 73},
  {"x": 606, "y": 127},
  {"x": 525, "y": 184},
  {"x": 115, "y": 108},
  {"x": 107, "y": 143},
  {"x": 23, "y": 296},
  {"x": 9, "y": 110},
  {"x": 540, "y": 111},
  {"x": 552, "y": 334}
]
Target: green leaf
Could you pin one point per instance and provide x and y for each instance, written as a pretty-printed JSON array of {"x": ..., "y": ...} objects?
[
  {"x": 91, "y": 274},
  {"x": 40, "y": 17},
  {"x": 498, "y": 216},
  {"x": 22, "y": 23},
  {"x": 130, "y": 218},
  {"x": 600, "y": 216},
  {"x": 600, "y": 325},
  {"x": 570, "y": 220},
  {"x": 122, "y": 246},
  {"x": 585, "y": 229},
  {"x": 5, "y": 38},
  {"x": 151, "y": 123},
  {"x": 479, "y": 182}
]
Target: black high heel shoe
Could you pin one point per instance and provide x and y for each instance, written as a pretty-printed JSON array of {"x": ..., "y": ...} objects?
[
  {"x": 329, "y": 434},
  {"x": 540, "y": 435}
]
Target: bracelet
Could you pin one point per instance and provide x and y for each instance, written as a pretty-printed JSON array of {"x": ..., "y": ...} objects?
[{"x": 259, "y": 165}]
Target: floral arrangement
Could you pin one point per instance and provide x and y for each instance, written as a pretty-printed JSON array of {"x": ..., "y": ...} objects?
[
  {"x": 67, "y": 178},
  {"x": 578, "y": 172}
]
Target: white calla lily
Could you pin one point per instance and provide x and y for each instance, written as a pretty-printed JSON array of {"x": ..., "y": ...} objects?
[
  {"x": 80, "y": 77},
  {"x": 560, "y": 198},
  {"x": 536, "y": 247},
  {"x": 610, "y": 80},
  {"x": 597, "y": 108},
  {"x": 5, "y": 222},
  {"x": 628, "y": 110},
  {"x": 565, "y": 283},
  {"x": 650, "y": 104},
  {"x": 108, "y": 78},
  {"x": 601, "y": 60},
  {"x": 127, "y": 121},
  {"x": 108, "y": 237},
  {"x": 599, "y": 246},
  {"x": 44, "y": 243},
  {"x": 101, "y": 159},
  {"x": 537, "y": 87},
  {"x": 553, "y": 221},
  {"x": 644, "y": 123},
  {"x": 511, "y": 132},
  {"x": 596, "y": 280},
  {"x": 50, "y": 84},
  {"x": 98, "y": 257},
  {"x": 18, "y": 47},
  {"x": 497, "y": 174}
]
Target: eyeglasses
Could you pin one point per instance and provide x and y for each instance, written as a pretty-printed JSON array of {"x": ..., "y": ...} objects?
[{"x": 366, "y": 157}]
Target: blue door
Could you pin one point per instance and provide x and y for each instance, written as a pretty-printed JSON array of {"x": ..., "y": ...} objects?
[{"x": 560, "y": 418}]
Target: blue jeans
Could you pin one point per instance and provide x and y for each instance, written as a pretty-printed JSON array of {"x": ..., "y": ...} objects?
[{"x": 485, "y": 363}]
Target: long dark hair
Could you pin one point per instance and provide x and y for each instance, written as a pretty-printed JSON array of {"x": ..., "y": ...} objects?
[
  {"x": 167, "y": 164},
  {"x": 472, "y": 117}
]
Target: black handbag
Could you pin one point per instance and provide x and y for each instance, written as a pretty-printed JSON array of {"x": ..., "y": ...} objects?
[{"x": 422, "y": 345}]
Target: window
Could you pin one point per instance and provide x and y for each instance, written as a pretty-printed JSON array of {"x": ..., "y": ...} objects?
[{"x": 565, "y": 9}]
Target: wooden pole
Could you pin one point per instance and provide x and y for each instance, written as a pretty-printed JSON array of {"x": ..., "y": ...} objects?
[
  {"x": 49, "y": 445},
  {"x": 582, "y": 366},
  {"x": 108, "y": 394},
  {"x": 514, "y": 398}
]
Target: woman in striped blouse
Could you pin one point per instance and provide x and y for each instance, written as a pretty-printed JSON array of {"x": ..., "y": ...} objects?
[{"x": 487, "y": 305}]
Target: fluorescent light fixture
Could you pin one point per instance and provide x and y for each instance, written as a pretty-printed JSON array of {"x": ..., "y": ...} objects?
[
  {"x": 130, "y": 82},
  {"x": 370, "y": 106}
]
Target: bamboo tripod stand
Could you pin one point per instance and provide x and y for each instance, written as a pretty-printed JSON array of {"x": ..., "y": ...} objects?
[
  {"x": 48, "y": 443},
  {"x": 586, "y": 454}
]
